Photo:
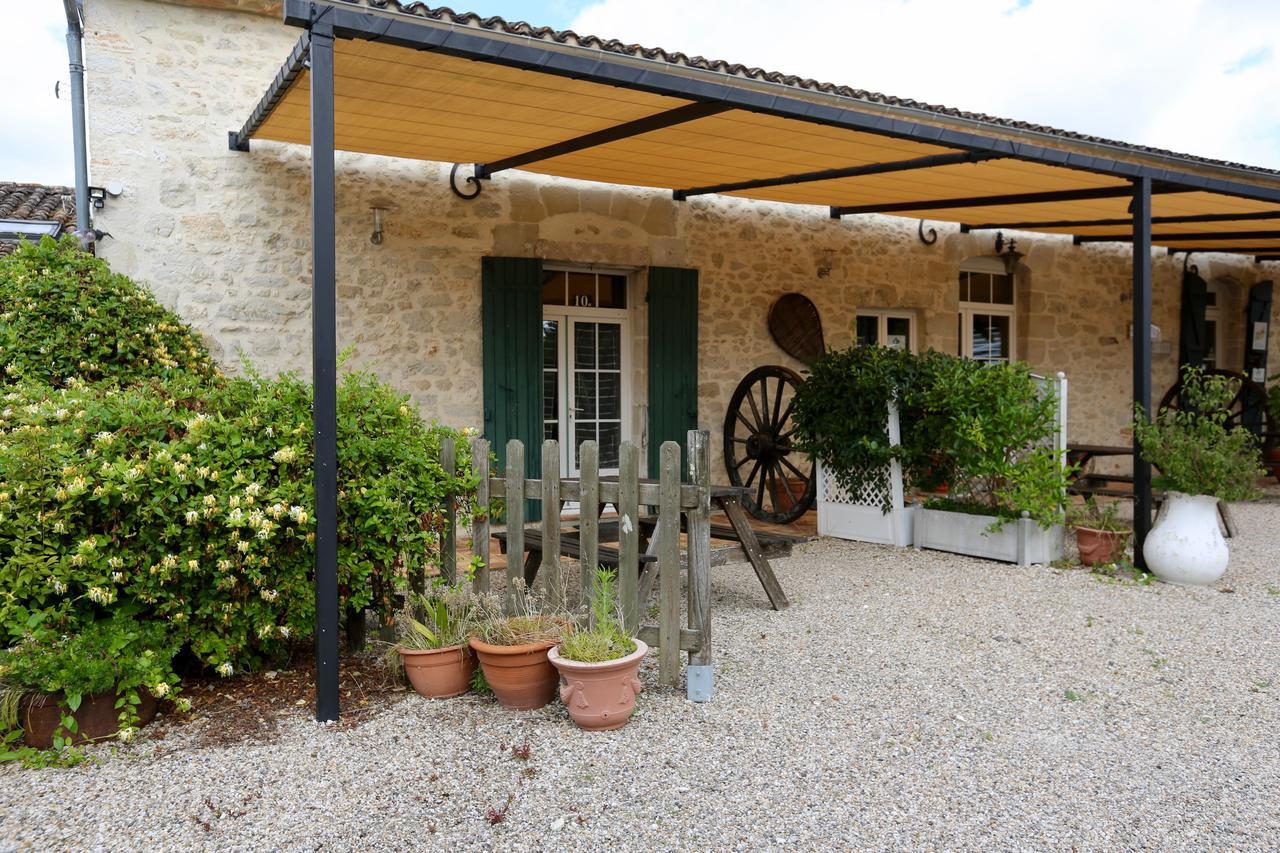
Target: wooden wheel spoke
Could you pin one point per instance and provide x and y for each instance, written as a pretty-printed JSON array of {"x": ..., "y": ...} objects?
[
  {"x": 752, "y": 476},
  {"x": 753, "y": 428},
  {"x": 775, "y": 424},
  {"x": 785, "y": 461},
  {"x": 760, "y": 492},
  {"x": 759, "y": 424},
  {"x": 786, "y": 415}
]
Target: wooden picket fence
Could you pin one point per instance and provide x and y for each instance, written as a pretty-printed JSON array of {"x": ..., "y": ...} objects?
[{"x": 680, "y": 506}]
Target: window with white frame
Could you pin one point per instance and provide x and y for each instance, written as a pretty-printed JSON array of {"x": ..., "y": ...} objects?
[
  {"x": 895, "y": 329},
  {"x": 988, "y": 322},
  {"x": 1212, "y": 326}
]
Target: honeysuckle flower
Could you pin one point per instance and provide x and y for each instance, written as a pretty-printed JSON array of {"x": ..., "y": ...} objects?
[
  {"x": 115, "y": 562},
  {"x": 100, "y": 595},
  {"x": 252, "y": 489},
  {"x": 58, "y": 586},
  {"x": 269, "y": 594},
  {"x": 284, "y": 631},
  {"x": 243, "y": 546},
  {"x": 192, "y": 516},
  {"x": 224, "y": 565},
  {"x": 160, "y": 689},
  {"x": 233, "y": 501},
  {"x": 193, "y": 565},
  {"x": 285, "y": 454},
  {"x": 225, "y": 669},
  {"x": 126, "y": 734},
  {"x": 117, "y": 577},
  {"x": 170, "y": 561}
]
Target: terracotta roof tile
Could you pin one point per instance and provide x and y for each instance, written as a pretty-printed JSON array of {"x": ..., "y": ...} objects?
[
  {"x": 36, "y": 202},
  {"x": 469, "y": 19}
]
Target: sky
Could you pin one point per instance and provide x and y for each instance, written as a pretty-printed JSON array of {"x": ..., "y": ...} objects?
[{"x": 1194, "y": 76}]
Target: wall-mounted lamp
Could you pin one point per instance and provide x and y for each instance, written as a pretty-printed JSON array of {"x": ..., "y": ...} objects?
[
  {"x": 826, "y": 261},
  {"x": 1008, "y": 252},
  {"x": 376, "y": 237}
]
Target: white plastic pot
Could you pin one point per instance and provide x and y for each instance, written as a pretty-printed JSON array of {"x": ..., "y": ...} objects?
[{"x": 1186, "y": 546}]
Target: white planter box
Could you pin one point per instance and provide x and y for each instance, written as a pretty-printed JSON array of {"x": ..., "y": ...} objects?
[{"x": 1021, "y": 541}]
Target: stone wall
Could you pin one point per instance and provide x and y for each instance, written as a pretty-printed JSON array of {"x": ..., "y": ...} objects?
[{"x": 223, "y": 237}]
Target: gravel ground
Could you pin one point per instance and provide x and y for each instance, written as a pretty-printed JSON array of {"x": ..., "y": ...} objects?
[{"x": 906, "y": 699}]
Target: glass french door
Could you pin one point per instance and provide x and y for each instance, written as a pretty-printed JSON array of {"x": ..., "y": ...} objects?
[{"x": 584, "y": 391}]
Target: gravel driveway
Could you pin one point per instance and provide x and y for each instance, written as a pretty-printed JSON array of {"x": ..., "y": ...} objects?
[{"x": 905, "y": 700}]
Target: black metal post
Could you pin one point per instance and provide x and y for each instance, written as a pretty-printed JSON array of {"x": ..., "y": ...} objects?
[
  {"x": 1141, "y": 210},
  {"x": 324, "y": 361}
]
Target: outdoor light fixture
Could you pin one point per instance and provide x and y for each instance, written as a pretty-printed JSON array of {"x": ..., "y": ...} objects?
[
  {"x": 1008, "y": 252},
  {"x": 98, "y": 196},
  {"x": 376, "y": 237}
]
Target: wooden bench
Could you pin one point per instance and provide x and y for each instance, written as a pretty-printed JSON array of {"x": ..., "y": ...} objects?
[{"x": 569, "y": 547}]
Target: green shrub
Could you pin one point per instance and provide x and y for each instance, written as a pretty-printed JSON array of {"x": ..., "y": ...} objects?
[
  {"x": 195, "y": 506},
  {"x": 985, "y": 430},
  {"x": 1192, "y": 448},
  {"x": 64, "y": 315}
]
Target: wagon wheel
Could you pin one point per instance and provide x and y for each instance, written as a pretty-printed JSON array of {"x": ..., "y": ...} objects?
[
  {"x": 757, "y": 446},
  {"x": 1248, "y": 404}
]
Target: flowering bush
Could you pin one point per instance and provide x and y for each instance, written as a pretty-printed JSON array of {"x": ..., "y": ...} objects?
[
  {"x": 134, "y": 478},
  {"x": 198, "y": 506},
  {"x": 64, "y": 314}
]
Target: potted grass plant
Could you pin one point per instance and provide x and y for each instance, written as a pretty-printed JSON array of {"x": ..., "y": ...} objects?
[
  {"x": 1200, "y": 462},
  {"x": 1100, "y": 534},
  {"x": 432, "y": 635},
  {"x": 513, "y": 647},
  {"x": 599, "y": 665}
]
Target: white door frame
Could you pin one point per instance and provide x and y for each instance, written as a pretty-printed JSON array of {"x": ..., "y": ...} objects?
[{"x": 567, "y": 315}]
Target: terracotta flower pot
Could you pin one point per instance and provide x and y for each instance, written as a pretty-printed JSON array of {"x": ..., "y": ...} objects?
[
  {"x": 439, "y": 673},
  {"x": 600, "y": 696},
  {"x": 1100, "y": 547},
  {"x": 96, "y": 718},
  {"x": 520, "y": 676},
  {"x": 1272, "y": 458},
  {"x": 778, "y": 491}
]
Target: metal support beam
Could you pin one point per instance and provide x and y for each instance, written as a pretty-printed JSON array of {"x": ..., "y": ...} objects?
[
  {"x": 1228, "y": 250},
  {"x": 1141, "y": 210},
  {"x": 679, "y": 115},
  {"x": 1088, "y": 194},
  {"x": 929, "y": 162},
  {"x": 1123, "y": 223},
  {"x": 1260, "y": 258},
  {"x": 1181, "y": 238},
  {"x": 324, "y": 361}
]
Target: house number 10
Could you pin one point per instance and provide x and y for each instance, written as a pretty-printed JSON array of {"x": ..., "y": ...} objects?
[{"x": 582, "y": 300}]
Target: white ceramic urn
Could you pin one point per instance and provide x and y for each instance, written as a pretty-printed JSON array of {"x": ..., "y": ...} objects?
[{"x": 1186, "y": 546}]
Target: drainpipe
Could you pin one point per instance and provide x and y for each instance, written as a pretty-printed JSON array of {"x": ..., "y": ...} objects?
[{"x": 75, "y": 57}]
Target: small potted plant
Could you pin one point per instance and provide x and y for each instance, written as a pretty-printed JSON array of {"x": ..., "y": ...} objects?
[
  {"x": 434, "y": 649},
  {"x": 102, "y": 681},
  {"x": 513, "y": 651},
  {"x": 1100, "y": 534},
  {"x": 599, "y": 665},
  {"x": 1200, "y": 462}
]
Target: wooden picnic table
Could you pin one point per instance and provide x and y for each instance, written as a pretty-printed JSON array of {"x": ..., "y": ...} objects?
[{"x": 756, "y": 546}]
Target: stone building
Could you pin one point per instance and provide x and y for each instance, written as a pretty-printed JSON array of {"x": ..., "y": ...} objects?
[{"x": 224, "y": 238}]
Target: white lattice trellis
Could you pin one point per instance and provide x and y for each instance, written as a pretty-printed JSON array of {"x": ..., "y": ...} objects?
[{"x": 862, "y": 516}]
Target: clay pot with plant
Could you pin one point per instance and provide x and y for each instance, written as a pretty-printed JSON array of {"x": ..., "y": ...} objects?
[
  {"x": 599, "y": 666},
  {"x": 513, "y": 651},
  {"x": 432, "y": 635},
  {"x": 1100, "y": 535}
]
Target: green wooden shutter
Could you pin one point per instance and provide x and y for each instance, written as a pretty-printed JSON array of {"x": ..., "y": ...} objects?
[
  {"x": 511, "y": 326},
  {"x": 673, "y": 357},
  {"x": 1193, "y": 339}
]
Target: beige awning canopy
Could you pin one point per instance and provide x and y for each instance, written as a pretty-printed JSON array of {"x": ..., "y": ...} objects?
[{"x": 422, "y": 85}]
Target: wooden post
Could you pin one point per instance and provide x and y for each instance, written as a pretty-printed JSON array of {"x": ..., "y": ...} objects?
[
  {"x": 589, "y": 514},
  {"x": 551, "y": 571},
  {"x": 449, "y": 536},
  {"x": 669, "y": 565},
  {"x": 698, "y": 683},
  {"x": 480, "y": 520},
  {"x": 629, "y": 535},
  {"x": 515, "y": 524}
]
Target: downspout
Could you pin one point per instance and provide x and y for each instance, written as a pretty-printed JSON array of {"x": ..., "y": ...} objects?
[{"x": 75, "y": 57}]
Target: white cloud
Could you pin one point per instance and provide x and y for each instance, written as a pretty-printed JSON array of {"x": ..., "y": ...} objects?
[
  {"x": 1192, "y": 76},
  {"x": 35, "y": 134}
]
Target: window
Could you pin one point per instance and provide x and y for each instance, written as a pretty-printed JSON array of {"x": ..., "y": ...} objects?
[
  {"x": 987, "y": 327},
  {"x": 585, "y": 358},
  {"x": 1212, "y": 326},
  {"x": 894, "y": 329}
]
